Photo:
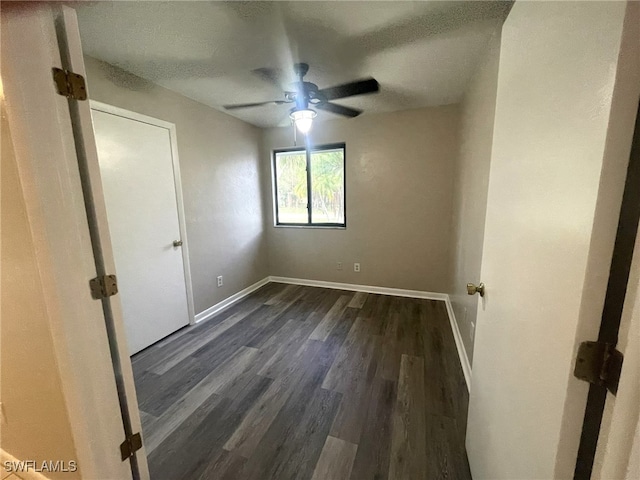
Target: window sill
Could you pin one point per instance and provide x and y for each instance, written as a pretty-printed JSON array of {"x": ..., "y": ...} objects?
[{"x": 313, "y": 227}]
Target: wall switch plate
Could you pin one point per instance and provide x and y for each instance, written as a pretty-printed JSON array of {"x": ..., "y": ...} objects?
[
  {"x": 356, "y": 267},
  {"x": 220, "y": 281},
  {"x": 339, "y": 266}
]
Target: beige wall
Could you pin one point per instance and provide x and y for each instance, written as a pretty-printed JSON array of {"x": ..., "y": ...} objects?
[
  {"x": 471, "y": 183},
  {"x": 35, "y": 421},
  {"x": 399, "y": 175},
  {"x": 219, "y": 163}
]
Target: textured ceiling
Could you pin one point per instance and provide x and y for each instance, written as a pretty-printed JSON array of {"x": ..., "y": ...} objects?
[{"x": 422, "y": 53}]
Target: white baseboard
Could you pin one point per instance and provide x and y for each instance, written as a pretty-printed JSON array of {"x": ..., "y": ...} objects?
[
  {"x": 27, "y": 474},
  {"x": 227, "y": 302},
  {"x": 398, "y": 292},
  {"x": 462, "y": 353}
]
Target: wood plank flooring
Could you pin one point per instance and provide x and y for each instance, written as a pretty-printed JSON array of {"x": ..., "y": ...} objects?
[{"x": 307, "y": 383}]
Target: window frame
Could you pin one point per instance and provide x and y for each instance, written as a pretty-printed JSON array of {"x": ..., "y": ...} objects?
[{"x": 308, "y": 150}]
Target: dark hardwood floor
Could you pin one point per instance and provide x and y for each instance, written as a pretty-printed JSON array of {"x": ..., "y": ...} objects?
[{"x": 301, "y": 382}]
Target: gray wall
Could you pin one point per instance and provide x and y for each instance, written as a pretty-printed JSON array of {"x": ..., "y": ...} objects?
[
  {"x": 471, "y": 185},
  {"x": 219, "y": 163},
  {"x": 399, "y": 169}
]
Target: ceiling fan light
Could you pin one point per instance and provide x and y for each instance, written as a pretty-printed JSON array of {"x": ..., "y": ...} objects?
[{"x": 303, "y": 119}]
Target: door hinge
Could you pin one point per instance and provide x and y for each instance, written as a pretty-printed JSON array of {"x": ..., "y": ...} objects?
[
  {"x": 104, "y": 286},
  {"x": 599, "y": 363},
  {"x": 69, "y": 84},
  {"x": 131, "y": 444}
]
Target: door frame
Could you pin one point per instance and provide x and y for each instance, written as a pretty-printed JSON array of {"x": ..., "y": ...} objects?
[
  {"x": 614, "y": 456},
  {"x": 52, "y": 137},
  {"x": 615, "y": 303},
  {"x": 177, "y": 182}
]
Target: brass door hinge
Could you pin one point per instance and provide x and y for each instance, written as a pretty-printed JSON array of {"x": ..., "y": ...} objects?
[
  {"x": 69, "y": 84},
  {"x": 103, "y": 287},
  {"x": 599, "y": 363},
  {"x": 130, "y": 445}
]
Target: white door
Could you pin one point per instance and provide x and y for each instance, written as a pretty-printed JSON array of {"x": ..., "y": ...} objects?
[
  {"x": 137, "y": 167},
  {"x": 555, "y": 83}
]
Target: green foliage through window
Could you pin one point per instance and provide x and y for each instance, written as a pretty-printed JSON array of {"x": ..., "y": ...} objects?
[{"x": 321, "y": 204}]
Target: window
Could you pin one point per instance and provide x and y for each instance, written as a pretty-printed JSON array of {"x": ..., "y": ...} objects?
[{"x": 310, "y": 186}]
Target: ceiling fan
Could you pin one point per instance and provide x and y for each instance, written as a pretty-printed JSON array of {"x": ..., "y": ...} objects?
[{"x": 306, "y": 94}]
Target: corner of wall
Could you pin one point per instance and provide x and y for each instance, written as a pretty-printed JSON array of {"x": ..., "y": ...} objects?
[{"x": 470, "y": 188}]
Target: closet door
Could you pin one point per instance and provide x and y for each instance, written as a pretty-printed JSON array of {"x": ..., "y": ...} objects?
[{"x": 136, "y": 158}]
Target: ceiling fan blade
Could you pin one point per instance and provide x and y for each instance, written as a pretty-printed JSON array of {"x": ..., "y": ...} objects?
[
  {"x": 269, "y": 75},
  {"x": 338, "y": 109},
  {"x": 249, "y": 105},
  {"x": 360, "y": 87}
]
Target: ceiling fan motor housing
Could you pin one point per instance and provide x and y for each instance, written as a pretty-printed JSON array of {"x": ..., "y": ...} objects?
[
  {"x": 305, "y": 93},
  {"x": 301, "y": 69}
]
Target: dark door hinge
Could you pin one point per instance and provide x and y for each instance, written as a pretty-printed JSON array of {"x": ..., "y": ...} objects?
[
  {"x": 130, "y": 445},
  {"x": 69, "y": 84},
  {"x": 599, "y": 363},
  {"x": 103, "y": 287}
]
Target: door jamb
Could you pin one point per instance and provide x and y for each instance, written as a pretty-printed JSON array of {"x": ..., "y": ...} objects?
[
  {"x": 614, "y": 303},
  {"x": 70, "y": 48},
  {"x": 48, "y": 168}
]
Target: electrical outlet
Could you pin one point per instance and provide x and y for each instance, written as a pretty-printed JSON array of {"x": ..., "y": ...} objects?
[
  {"x": 220, "y": 281},
  {"x": 339, "y": 266},
  {"x": 356, "y": 267}
]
